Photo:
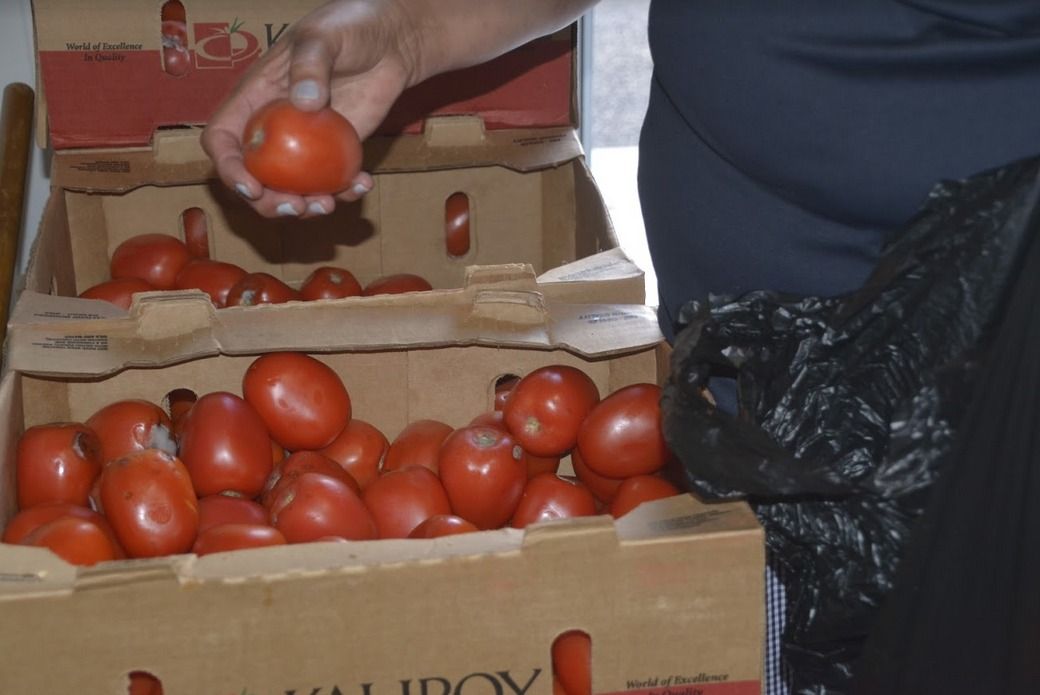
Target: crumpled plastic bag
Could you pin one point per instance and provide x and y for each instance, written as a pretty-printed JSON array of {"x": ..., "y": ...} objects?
[{"x": 847, "y": 406}]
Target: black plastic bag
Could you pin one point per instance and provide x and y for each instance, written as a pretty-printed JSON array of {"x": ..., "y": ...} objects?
[{"x": 847, "y": 406}]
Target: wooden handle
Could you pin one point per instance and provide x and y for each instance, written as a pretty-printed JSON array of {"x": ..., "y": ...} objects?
[{"x": 16, "y": 117}]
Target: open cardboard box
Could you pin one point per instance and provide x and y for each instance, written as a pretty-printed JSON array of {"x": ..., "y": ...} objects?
[
  {"x": 127, "y": 161},
  {"x": 671, "y": 595}
]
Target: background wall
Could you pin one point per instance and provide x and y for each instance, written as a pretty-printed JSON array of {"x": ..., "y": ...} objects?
[{"x": 17, "y": 65}]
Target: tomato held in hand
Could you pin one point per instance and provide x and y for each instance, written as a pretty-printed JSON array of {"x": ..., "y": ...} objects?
[
  {"x": 638, "y": 489},
  {"x": 401, "y": 500},
  {"x": 225, "y": 446},
  {"x": 622, "y": 435},
  {"x": 217, "y": 510},
  {"x": 442, "y": 525},
  {"x": 301, "y": 152},
  {"x": 359, "y": 449},
  {"x": 224, "y": 537},
  {"x": 301, "y": 399},
  {"x": 57, "y": 463},
  {"x": 483, "y": 472},
  {"x": 418, "y": 444},
  {"x": 148, "y": 499},
  {"x": 546, "y": 408},
  {"x": 314, "y": 506},
  {"x": 75, "y": 540},
  {"x": 572, "y": 662},
  {"x": 255, "y": 289},
  {"x": 119, "y": 292},
  {"x": 132, "y": 424},
  {"x": 548, "y": 496},
  {"x": 215, "y": 278},
  {"x": 154, "y": 258},
  {"x": 329, "y": 282},
  {"x": 397, "y": 284}
]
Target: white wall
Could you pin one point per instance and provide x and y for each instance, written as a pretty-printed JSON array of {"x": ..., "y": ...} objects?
[{"x": 17, "y": 65}]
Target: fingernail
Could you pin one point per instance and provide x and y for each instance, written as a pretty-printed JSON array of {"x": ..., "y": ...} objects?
[
  {"x": 317, "y": 209},
  {"x": 307, "y": 90},
  {"x": 360, "y": 189},
  {"x": 244, "y": 191},
  {"x": 286, "y": 210}
]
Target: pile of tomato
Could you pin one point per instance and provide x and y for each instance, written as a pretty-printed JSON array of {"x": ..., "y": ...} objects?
[
  {"x": 149, "y": 262},
  {"x": 285, "y": 462}
]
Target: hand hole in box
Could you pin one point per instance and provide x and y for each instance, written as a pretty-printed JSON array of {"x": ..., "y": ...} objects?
[
  {"x": 501, "y": 387},
  {"x": 457, "y": 225},
  {"x": 143, "y": 683},
  {"x": 195, "y": 230},
  {"x": 572, "y": 663},
  {"x": 176, "y": 60}
]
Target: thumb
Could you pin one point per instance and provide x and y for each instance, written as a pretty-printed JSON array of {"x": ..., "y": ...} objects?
[{"x": 310, "y": 69}]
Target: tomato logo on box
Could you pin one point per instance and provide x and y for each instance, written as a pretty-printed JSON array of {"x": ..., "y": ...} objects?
[{"x": 224, "y": 45}]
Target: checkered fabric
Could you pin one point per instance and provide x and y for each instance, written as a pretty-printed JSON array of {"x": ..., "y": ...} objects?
[{"x": 777, "y": 681}]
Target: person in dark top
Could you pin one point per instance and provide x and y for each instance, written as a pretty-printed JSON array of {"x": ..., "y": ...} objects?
[{"x": 784, "y": 142}]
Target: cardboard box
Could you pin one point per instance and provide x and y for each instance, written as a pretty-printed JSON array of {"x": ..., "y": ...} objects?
[
  {"x": 672, "y": 595},
  {"x": 127, "y": 161}
]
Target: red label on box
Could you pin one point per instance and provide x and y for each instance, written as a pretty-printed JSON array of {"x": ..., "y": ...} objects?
[{"x": 117, "y": 95}]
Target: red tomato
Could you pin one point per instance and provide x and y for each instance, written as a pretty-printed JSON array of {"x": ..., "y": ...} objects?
[
  {"x": 397, "y": 284},
  {"x": 314, "y": 506},
  {"x": 298, "y": 463},
  {"x": 154, "y": 258},
  {"x": 483, "y": 472},
  {"x": 217, "y": 510},
  {"x": 622, "y": 435},
  {"x": 328, "y": 282},
  {"x": 129, "y": 425},
  {"x": 196, "y": 232},
  {"x": 638, "y": 489},
  {"x": 548, "y": 496},
  {"x": 119, "y": 292},
  {"x": 572, "y": 662},
  {"x": 176, "y": 60},
  {"x": 442, "y": 525},
  {"x": 219, "y": 539},
  {"x": 535, "y": 464},
  {"x": 148, "y": 499},
  {"x": 28, "y": 520},
  {"x": 602, "y": 487},
  {"x": 547, "y": 407},
  {"x": 401, "y": 500},
  {"x": 254, "y": 289},
  {"x": 456, "y": 224},
  {"x": 302, "y": 400},
  {"x": 359, "y": 449},
  {"x": 55, "y": 463},
  {"x": 225, "y": 446},
  {"x": 302, "y": 152},
  {"x": 75, "y": 540},
  {"x": 277, "y": 452},
  {"x": 418, "y": 444},
  {"x": 143, "y": 683},
  {"x": 215, "y": 278}
]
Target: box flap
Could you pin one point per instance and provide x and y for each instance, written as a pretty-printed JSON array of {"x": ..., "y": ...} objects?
[{"x": 101, "y": 67}]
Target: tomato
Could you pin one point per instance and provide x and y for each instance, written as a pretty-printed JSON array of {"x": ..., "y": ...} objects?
[
  {"x": 301, "y": 399},
  {"x": 359, "y": 449},
  {"x": 56, "y": 463},
  {"x": 314, "y": 506},
  {"x": 225, "y": 446},
  {"x": 154, "y": 258},
  {"x": 456, "y": 224},
  {"x": 329, "y": 282},
  {"x": 28, "y": 520},
  {"x": 572, "y": 662},
  {"x": 298, "y": 463},
  {"x": 557, "y": 686},
  {"x": 129, "y": 425},
  {"x": 535, "y": 464},
  {"x": 216, "y": 510},
  {"x": 547, "y": 407},
  {"x": 75, "y": 540},
  {"x": 547, "y": 496},
  {"x": 483, "y": 472},
  {"x": 638, "y": 489},
  {"x": 254, "y": 289},
  {"x": 301, "y": 152},
  {"x": 622, "y": 435},
  {"x": 442, "y": 525},
  {"x": 119, "y": 292},
  {"x": 196, "y": 232},
  {"x": 148, "y": 499},
  {"x": 224, "y": 537},
  {"x": 418, "y": 444},
  {"x": 397, "y": 284},
  {"x": 176, "y": 60},
  {"x": 401, "y": 500},
  {"x": 144, "y": 683},
  {"x": 215, "y": 278},
  {"x": 277, "y": 452},
  {"x": 602, "y": 487},
  {"x": 503, "y": 387}
]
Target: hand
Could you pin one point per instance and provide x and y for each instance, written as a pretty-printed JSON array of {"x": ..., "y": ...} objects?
[{"x": 350, "y": 54}]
